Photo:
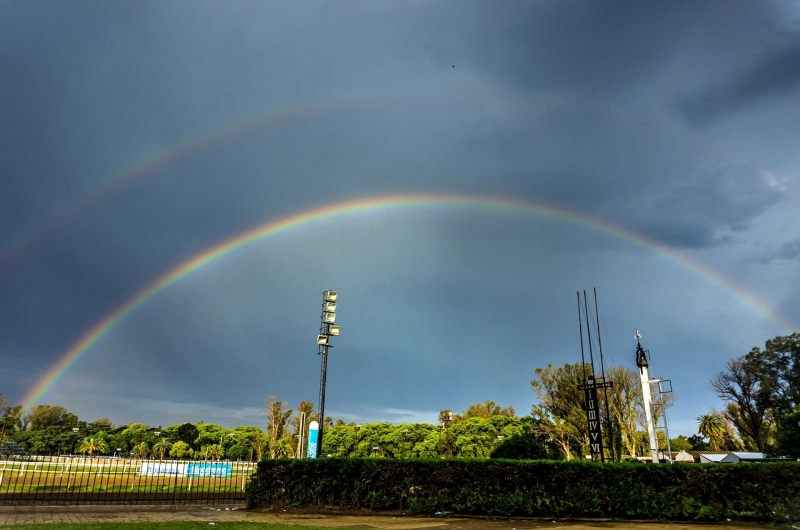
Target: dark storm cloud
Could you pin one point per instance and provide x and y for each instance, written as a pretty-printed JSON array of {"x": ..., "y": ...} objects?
[
  {"x": 575, "y": 46},
  {"x": 776, "y": 73},
  {"x": 698, "y": 209},
  {"x": 566, "y": 103},
  {"x": 788, "y": 252}
]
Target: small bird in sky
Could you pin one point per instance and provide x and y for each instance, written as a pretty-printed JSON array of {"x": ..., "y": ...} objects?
[{"x": 454, "y": 66}]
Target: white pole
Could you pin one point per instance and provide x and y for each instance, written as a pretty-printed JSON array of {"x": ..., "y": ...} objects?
[
  {"x": 651, "y": 431},
  {"x": 644, "y": 375}
]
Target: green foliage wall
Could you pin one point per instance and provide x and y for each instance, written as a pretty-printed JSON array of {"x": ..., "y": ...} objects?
[{"x": 530, "y": 488}]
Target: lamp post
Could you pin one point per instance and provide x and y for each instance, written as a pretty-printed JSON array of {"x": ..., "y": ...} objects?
[{"x": 326, "y": 330}]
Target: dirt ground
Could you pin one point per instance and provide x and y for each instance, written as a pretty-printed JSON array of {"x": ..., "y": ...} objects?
[{"x": 381, "y": 522}]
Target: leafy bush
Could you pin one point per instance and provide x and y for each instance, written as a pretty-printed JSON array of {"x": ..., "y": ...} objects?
[{"x": 529, "y": 488}]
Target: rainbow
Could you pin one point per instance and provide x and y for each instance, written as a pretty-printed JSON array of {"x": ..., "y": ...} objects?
[
  {"x": 68, "y": 358},
  {"x": 155, "y": 161},
  {"x": 152, "y": 163}
]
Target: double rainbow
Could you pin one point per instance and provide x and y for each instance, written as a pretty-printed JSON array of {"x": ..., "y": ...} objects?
[{"x": 78, "y": 349}]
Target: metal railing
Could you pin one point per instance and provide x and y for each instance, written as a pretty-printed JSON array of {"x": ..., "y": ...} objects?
[{"x": 69, "y": 480}]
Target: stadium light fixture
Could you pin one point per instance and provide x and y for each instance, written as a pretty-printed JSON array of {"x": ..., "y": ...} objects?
[{"x": 326, "y": 330}]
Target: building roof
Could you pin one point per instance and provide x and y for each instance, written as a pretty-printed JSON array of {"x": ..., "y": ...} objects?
[
  {"x": 697, "y": 454},
  {"x": 713, "y": 457},
  {"x": 739, "y": 456}
]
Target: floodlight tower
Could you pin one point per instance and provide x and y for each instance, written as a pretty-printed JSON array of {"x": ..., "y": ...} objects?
[
  {"x": 326, "y": 330},
  {"x": 644, "y": 374}
]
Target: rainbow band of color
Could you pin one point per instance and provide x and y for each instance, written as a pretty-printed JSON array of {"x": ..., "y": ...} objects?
[
  {"x": 162, "y": 158},
  {"x": 79, "y": 348}
]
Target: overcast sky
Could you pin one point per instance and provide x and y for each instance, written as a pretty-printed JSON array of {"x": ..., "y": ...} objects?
[{"x": 675, "y": 120}]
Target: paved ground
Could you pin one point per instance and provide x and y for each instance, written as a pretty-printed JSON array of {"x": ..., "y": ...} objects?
[{"x": 359, "y": 522}]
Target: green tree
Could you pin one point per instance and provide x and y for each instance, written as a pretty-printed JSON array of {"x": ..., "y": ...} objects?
[
  {"x": 521, "y": 447},
  {"x": 698, "y": 443},
  {"x": 340, "y": 441},
  {"x": 778, "y": 369},
  {"x": 712, "y": 427},
  {"x": 134, "y": 434},
  {"x": 44, "y": 416},
  {"x": 187, "y": 433},
  {"x": 100, "y": 425},
  {"x": 625, "y": 400},
  {"x": 283, "y": 448},
  {"x": 9, "y": 419},
  {"x": 429, "y": 446},
  {"x": 681, "y": 443},
  {"x": 92, "y": 445},
  {"x": 560, "y": 409},
  {"x": 181, "y": 449},
  {"x": 209, "y": 433},
  {"x": 740, "y": 385},
  {"x": 474, "y": 438},
  {"x": 161, "y": 447},
  {"x": 259, "y": 443},
  {"x": 214, "y": 451},
  {"x": 141, "y": 450},
  {"x": 277, "y": 416},
  {"x": 487, "y": 409},
  {"x": 788, "y": 436}
]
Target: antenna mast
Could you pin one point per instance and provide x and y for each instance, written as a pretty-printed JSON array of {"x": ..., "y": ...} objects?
[{"x": 603, "y": 377}]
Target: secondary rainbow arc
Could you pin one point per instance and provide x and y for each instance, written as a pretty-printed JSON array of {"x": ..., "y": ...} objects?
[
  {"x": 79, "y": 348},
  {"x": 151, "y": 163}
]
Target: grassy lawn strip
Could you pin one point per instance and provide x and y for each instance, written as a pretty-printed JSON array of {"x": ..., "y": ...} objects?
[{"x": 176, "y": 525}]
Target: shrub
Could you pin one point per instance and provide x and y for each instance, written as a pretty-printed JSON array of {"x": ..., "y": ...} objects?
[{"x": 529, "y": 488}]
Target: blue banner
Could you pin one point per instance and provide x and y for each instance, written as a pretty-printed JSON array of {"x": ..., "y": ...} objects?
[
  {"x": 208, "y": 470},
  {"x": 312, "y": 440}
]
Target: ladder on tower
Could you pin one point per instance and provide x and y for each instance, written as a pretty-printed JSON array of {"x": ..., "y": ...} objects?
[{"x": 658, "y": 388}]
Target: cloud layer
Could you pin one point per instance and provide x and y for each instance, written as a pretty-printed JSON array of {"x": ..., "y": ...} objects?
[{"x": 675, "y": 122}]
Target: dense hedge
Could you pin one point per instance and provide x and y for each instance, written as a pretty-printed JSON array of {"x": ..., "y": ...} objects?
[{"x": 532, "y": 488}]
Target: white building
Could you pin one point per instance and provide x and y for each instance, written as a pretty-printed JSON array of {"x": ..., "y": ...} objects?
[
  {"x": 736, "y": 456},
  {"x": 714, "y": 458}
]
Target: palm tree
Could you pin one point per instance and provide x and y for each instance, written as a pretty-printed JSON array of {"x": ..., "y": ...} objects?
[
  {"x": 92, "y": 446},
  {"x": 712, "y": 427},
  {"x": 141, "y": 450},
  {"x": 283, "y": 448},
  {"x": 161, "y": 446},
  {"x": 215, "y": 451}
]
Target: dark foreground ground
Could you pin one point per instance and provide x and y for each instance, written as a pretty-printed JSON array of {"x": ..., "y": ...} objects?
[{"x": 230, "y": 518}]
